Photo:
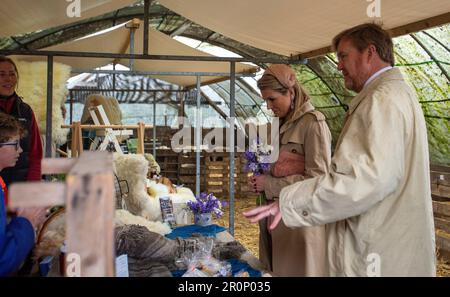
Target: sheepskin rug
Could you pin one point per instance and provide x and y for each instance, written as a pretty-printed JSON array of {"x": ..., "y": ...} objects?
[
  {"x": 123, "y": 217},
  {"x": 32, "y": 87},
  {"x": 52, "y": 238},
  {"x": 143, "y": 196},
  {"x": 133, "y": 168}
]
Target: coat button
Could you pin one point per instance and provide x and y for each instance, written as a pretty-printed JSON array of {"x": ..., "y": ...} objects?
[{"x": 305, "y": 213}]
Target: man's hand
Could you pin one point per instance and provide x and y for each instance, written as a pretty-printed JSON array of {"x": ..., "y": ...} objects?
[
  {"x": 256, "y": 183},
  {"x": 262, "y": 212},
  {"x": 289, "y": 164}
]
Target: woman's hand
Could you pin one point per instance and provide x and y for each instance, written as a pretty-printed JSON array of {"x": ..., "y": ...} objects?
[
  {"x": 262, "y": 212},
  {"x": 256, "y": 183},
  {"x": 289, "y": 164},
  {"x": 36, "y": 215}
]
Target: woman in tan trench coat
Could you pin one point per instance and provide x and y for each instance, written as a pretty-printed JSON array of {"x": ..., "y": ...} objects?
[{"x": 305, "y": 151}]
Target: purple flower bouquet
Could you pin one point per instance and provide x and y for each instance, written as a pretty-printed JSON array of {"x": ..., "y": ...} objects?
[
  {"x": 206, "y": 203},
  {"x": 258, "y": 162}
]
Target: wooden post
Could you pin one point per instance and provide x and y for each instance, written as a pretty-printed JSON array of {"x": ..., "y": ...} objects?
[
  {"x": 89, "y": 197},
  {"x": 90, "y": 209},
  {"x": 77, "y": 140},
  {"x": 140, "y": 135}
]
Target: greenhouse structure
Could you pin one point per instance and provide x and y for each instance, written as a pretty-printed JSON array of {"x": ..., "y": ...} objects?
[{"x": 146, "y": 113}]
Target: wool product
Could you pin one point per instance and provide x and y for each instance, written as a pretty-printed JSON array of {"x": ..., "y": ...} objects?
[
  {"x": 150, "y": 254},
  {"x": 53, "y": 236},
  {"x": 109, "y": 104},
  {"x": 157, "y": 190},
  {"x": 152, "y": 164},
  {"x": 32, "y": 87},
  {"x": 133, "y": 168},
  {"x": 165, "y": 181},
  {"x": 124, "y": 217}
]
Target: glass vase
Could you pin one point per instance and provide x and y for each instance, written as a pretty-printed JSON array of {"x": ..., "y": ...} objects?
[{"x": 203, "y": 219}]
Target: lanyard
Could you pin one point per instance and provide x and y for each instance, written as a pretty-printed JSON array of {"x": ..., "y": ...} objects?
[{"x": 5, "y": 190}]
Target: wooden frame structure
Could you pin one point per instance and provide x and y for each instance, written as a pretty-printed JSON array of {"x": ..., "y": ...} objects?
[
  {"x": 88, "y": 194},
  {"x": 77, "y": 142}
]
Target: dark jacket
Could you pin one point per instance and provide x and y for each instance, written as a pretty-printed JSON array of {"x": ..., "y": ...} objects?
[{"x": 31, "y": 143}]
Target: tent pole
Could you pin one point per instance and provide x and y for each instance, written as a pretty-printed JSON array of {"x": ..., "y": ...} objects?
[
  {"x": 146, "y": 24},
  {"x": 48, "y": 130},
  {"x": 198, "y": 129},
  {"x": 71, "y": 106},
  {"x": 231, "y": 144},
  {"x": 154, "y": 126}
]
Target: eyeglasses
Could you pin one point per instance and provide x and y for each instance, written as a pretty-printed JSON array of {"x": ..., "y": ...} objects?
[{"x": 14, "y": 143}]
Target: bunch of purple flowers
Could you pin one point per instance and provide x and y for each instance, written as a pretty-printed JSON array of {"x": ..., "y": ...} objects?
[
  {"x": 257, "y": 157},
  {"x": 206, "y": 203}
]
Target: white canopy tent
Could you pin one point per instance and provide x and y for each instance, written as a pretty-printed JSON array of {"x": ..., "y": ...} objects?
[
  {"x": 118, "y": 41},
  {"x": 22, "y": 16},
  {"x": 290, "y": 27}
]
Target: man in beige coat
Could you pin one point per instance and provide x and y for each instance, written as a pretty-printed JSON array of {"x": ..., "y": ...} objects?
[{"x": 376, "y": 197}]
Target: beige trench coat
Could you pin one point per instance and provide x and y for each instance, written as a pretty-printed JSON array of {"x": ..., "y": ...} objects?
[
  {"x": 300, "y": 251},
  {"x": 376, "y": 197}
]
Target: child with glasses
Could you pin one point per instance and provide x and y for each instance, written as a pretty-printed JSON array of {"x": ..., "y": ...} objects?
[{"x": 16, "y": 236}]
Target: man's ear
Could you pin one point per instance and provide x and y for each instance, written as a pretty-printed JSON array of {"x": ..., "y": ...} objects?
[{"x": 371, "y": 51}]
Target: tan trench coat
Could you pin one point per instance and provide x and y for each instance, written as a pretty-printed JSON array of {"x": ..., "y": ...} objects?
[
  {"x": 299, "y": 251},
  {"x": 376, "y": 197}
]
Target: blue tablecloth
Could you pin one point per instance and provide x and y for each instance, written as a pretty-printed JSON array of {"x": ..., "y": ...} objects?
[{"x": 188, "y": 230}]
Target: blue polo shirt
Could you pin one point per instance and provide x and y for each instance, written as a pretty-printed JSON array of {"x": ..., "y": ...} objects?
[{"x": 16, "y": 240}]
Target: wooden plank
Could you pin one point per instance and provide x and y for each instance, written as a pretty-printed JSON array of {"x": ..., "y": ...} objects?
[
  {"x": 442, "y": 224},
  {"x": 441, "y": 208},
  {"x": 443, "y": 243},
  {"x": 440, "y": 190},
  {"x": 90, "y": 213},
  {"x": 56, "y": 165},
  {"x": 439, "y": 168},
  {"x": 140, "y": 136},
  {"x": 37, "y": 194},
  {"x": 440, "y": 178}
]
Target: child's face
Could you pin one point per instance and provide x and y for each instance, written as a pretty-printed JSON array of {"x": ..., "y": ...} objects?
[{"x": 9, "y": 152}]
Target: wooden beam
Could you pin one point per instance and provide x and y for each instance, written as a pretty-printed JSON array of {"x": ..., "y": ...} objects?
[
  {"x": 56, "y": 165},
  {"x": 90, "y": 213},
  {"x": 441, "y": 208},
  {"x": 442, "y": 224},
  {"x": 421, "y": 25},
  {"x": 141, "y": 138},
  {"x": 37, "y": 194},
  {"x": 394, "y": 32}
]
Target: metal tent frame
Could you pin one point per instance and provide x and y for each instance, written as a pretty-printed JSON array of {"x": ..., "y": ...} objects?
[{"x": 146, "y": 56}]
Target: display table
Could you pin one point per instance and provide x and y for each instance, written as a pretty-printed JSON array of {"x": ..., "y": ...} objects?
[{"x": 245, "y": 262}]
